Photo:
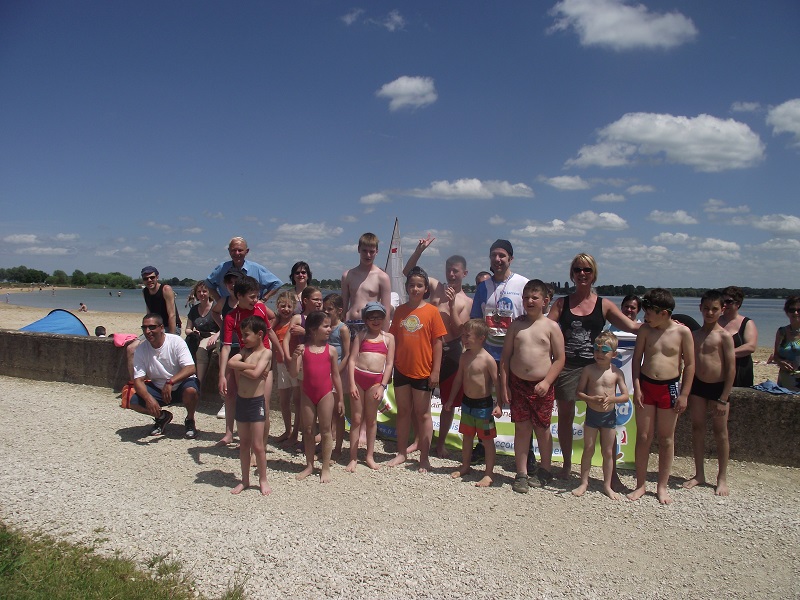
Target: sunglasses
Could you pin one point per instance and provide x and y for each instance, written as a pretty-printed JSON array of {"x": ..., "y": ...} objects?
[
  {"x": 656, "y": 309},
  {"x": 604, "y": 349},
  {"x": 149, "y": 277},
  {"x": 301, "y": 272},
  {"x": 586, "y": 270},
  {"x": 150, "y": 327}
]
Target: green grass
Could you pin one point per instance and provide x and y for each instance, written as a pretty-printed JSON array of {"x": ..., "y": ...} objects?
[{"x": 38, "y": 567}]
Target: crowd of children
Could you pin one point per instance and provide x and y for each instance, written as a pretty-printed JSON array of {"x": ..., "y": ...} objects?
[{"x": 506, "y": 357}]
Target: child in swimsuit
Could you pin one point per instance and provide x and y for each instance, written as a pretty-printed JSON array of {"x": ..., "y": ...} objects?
[
  {"x": 321, "y": 390},
  {"x": 288, "y": 387},
  {"x": 714, "y": 375},
  {"x": 369, "y": 372},
  {"x": 340, "y": 340}
]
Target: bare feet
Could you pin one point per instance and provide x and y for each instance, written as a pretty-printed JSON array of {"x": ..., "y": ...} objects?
[
  {"x": 563, "y": 473},
  {"x": 580, "y": 490},
  {"x": 225, "y": 441},
  {"x": 663, "y": 496},
  {"x": 611, "y": 493},
  {"x": 265, "y": 489},
  {"x": 424, "y": 467},
  {"x": 694, "y": 481},
  {"x": 351, "y": 466},
  {"x": 239, "y": 488},
  {"x": 372, "y": 464},
  {"x": 722, "y": 487},
  {"x": 442, "y": 452},
  {"x": 461, "y": 472},
  {"x": 637, "y": 493},
  {"x": 397, "y": 460},
  {"x": 304, "y": 473},
  {"x": 325, "y": 476},
  {"x": 282, "y": 437},
  {"x": 412, "y": 448},
  {"x": 485, "y": 481}
]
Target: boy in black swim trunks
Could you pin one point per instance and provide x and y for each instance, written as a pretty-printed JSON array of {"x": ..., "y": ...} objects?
[{"x": 715, "y": 370}]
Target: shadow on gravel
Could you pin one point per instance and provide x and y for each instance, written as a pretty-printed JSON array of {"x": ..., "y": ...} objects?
[
  {"x": 229, "y": 451},
  {"x": 217, "y": 478}
]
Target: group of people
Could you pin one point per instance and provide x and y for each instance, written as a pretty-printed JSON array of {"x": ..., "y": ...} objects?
[{"x": 510, "y": 345}]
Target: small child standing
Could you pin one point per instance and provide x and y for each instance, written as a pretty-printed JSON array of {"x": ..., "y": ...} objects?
[
  {"x": 715, "y": 372},
  {"x": 321, "y": 390},
  {"x": 659, "y": 391},
  {"x": 598, "y": 387},
  {"x": 418, "y": 331},
  {"x": 333, "y": 306},
  {"x": 251, "y": 368},
  {"x": 288, "y": 387},
  {"x": 477, "y": 373},
  {"x": 532, "y": 358},
  {"x": 369, "y": 371}
]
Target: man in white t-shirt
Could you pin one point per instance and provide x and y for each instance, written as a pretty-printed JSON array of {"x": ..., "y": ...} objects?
[{"x": 164, "y": 374}]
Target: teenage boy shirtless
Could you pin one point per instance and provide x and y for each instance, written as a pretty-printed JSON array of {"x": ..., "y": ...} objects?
[{"x": 366, "y": 282}]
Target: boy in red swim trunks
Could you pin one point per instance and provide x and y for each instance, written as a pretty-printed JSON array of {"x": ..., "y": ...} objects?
[
  {"x": 659, "y": 391},
  {"x": 476, "y": 376},
  {"x": 532, "y": 358}
]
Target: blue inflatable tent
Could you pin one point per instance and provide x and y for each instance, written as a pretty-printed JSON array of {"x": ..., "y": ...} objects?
[{"x": 58, "y": 321}]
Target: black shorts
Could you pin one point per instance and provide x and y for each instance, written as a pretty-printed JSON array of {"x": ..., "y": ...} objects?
[
  {"x": 709, "y": 391},
  {"x": 399, "y": 380},
  {"x": 251, "y": 410}
]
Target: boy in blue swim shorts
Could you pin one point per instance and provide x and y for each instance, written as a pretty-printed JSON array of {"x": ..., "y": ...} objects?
[
  {"x": 661, "y": 346},
  {"x": 598, "y": 387}
]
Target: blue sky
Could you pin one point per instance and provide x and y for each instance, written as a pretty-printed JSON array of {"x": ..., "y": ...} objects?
[{"x": 663, "y": 137}]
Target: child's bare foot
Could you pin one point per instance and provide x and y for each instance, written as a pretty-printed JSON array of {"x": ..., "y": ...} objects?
[
  {"x": 424, "y": 467},
  {"x": 351, "y": 466},
  {"x": 304, "y": 473},
  {"x": 580, "y": 490},
  {"x": 282, "y": 437},
  {"x": 372, "y": 464},
  {"x": 637, "y": 493},
  {"x": 694, "y": 481},
  {"x": 461, "y": 472},
  {"x": 397, "y": 460},
  {"x": 722, "y": 487},
  {"x": 663, "y": 496},
  {"x": 265, "y": 489},
  {"x": 563, "y": 473},
  {"x": 485, "y": 481},
  {"x": 325, "y": 476},
  {"x": 241, "y": 487},
  {"x": 442, "y": 452},
  {"x": 225, "y": 441},
  {"x": 611, "y": 493},
  {"x": 412, "y": 448}
]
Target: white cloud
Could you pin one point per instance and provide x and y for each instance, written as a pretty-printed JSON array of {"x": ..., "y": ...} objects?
[
  {"x": 686, "y": 241},
  {"x": 790, "y": 244},
  {"x": 678, "y": 217},
  {"x": 43, "y": 251},
  {"x": 496, "y": 220},
  {"x": 672, "y": 238},
  {"x": 408, "y": 92},
  {"x": 717, "y": 207},
  {"x": 376, "y": 198},
  {"x": 778, "y": 224},
  {"x": 66, "y": 237},
  {"x": 785, "y": 118},
  {"x": 617, "y": 25},
  {"x": 21, "y": 238},
  {"x": 217, "y": 216},
  {"x": 566, "y": 182},
  {"x": 745, "y": 107},
  {"x": 193, "y": 230},
  {"x": 394, "y": 21},
  {"x": 352, "y": 16},
  {"x": 640, "y": 189},
  {"x": 609, "y": 198},
  {"x": 591, "y": 220},
  {"x": 313, "y": 230},
  {"x": 349, "y": 219},
  {"x": 473, "y": 189},
  {"x": 704, "y": 142},
  {"x": 717, "y": 245},
  {"x": 553, "y": 228},
  {"x": 159, "y": 226}
]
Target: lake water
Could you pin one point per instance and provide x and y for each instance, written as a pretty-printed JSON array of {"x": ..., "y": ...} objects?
[{"x": 766, "y": 312}]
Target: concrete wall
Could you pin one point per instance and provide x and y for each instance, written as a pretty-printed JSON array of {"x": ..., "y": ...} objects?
[{"x": 761, "y": 426}]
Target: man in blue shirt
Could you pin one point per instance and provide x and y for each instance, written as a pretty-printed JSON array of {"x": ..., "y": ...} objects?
[{"x": 238, "y": 250}]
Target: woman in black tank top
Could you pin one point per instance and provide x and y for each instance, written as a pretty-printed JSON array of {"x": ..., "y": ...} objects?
[{"x": 744, "y": 332}]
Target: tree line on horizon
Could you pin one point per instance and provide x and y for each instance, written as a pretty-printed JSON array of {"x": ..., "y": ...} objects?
[{"x": 24, "y": 275}]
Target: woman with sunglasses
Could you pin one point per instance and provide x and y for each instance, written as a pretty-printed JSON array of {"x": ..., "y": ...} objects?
[
  {"x": 787, "y": 346},
  {"x": 300, "y": 276},
  {"x": 744, "y": 332},
  {"x": 581, "y": 316}
]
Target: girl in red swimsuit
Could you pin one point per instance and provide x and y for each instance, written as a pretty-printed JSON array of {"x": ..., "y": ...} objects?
[
  {"x": 320, "y": 391},
  {"x": 369, "y": 369}
]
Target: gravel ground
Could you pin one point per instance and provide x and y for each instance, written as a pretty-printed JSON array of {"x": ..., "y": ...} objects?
[{"x": 89, "y": 474}]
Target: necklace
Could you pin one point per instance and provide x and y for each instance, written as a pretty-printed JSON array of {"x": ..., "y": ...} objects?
[{"x": 498, "y": 293}]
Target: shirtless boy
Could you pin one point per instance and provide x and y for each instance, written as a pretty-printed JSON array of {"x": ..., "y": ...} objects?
[
  {"x": 251, "y": 368},
  {"x": 454, "y": 306},
  {"x": 659, "y": 391},
  {"x": 598, "y": 387},
  {"x": 715, "y": 371},
  {"x": 476, "y": 376},
  {"x": 532, "y": 358},
  {"x": 364, "y": 283}
]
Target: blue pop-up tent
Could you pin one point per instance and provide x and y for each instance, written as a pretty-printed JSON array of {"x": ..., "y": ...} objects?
[{"x": 58, "y": 321}]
